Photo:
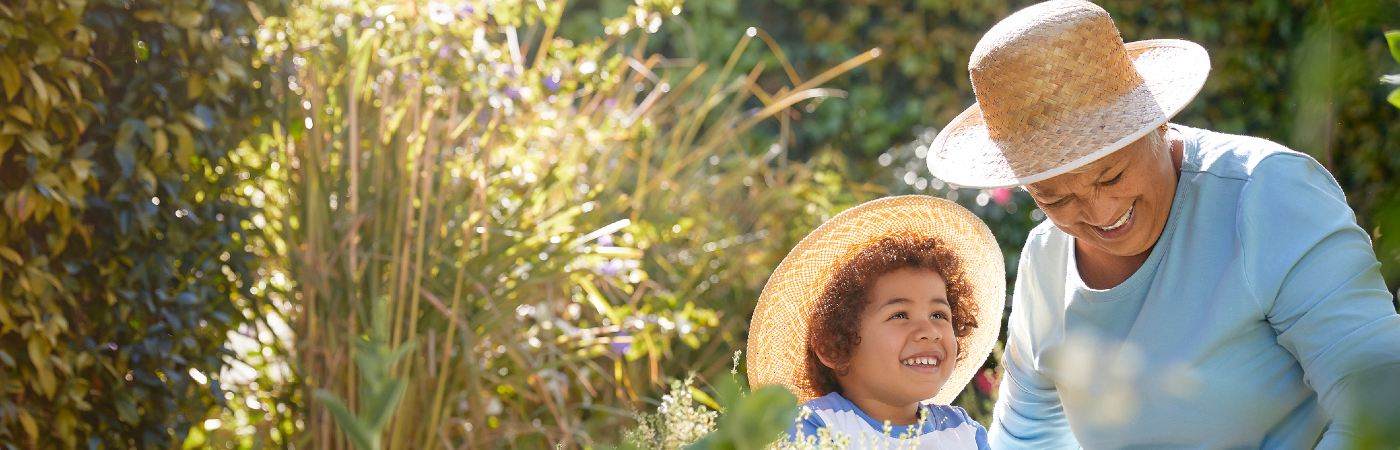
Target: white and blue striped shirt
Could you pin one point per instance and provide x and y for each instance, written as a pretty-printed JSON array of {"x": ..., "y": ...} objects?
[{"x": 832, "y": 419}]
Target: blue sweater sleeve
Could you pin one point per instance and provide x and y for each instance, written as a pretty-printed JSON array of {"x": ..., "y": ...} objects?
[
  {"x": 1315, "y": 277},
  {"x": 1028, "y": 413}
]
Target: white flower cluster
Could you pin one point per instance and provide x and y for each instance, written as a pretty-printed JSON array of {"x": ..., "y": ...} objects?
[{"x": 678, "y": 421}]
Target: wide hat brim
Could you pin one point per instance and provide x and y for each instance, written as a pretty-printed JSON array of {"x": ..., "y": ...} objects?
[
  {"x": 777, "y": 345},
  {"x": 965, "y": 154}
]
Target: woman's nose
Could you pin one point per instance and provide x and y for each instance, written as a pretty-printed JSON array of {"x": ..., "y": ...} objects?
[{"x": 1102, "y": 213}]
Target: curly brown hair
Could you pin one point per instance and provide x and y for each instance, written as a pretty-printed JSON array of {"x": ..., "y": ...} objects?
[{"x": 834, "y": 324}]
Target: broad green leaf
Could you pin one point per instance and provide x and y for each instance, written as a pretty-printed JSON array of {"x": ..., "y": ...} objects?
[{"x": 1394, "y": 97}]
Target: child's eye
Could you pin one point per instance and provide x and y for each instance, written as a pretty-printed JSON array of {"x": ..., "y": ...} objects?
[
  {"x": 899, "y": 315},
  {"x": 939, "y": 315}
]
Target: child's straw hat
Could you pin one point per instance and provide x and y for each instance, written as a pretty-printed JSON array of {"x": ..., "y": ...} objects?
[{"x": 778, "y": 331}]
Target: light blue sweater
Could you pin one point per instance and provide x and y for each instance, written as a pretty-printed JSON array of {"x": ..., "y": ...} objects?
[{"x": 1242, "y": 329}]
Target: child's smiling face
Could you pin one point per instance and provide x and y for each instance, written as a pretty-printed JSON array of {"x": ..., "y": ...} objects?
[{"x": 907, "y": 347}]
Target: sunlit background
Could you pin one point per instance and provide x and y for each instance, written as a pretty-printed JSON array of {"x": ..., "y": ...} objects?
[{"x": 520, "y": 224}]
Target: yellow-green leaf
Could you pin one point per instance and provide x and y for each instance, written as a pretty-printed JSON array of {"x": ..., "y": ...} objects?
[
  {"x": 11, "y": 255},
  {"x": 81, "y": 168},
  {"x": 40, "y": 87},
  {"x": 34, "y": 141},
  {"x": 148, "y": 15},
  {"x": 20, "y": 114},
  {"x": 9, "y": 76},
  {"x": 162, "y": 144},
  {"x": 189, "y": 18},
  {"x": 184, "y": 145},
  {"x": 46, "y": 53},
  {"x": 30, "y": 428},
  {"x": 39, "y": 355}
]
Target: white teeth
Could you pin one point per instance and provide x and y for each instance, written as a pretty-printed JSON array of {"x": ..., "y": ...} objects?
[
  {"x": 923, "y": 361},
  {"x": 1121, "y": 220}
]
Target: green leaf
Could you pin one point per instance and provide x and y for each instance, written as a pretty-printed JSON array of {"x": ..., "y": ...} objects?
[
  {"x": 1392, "y": 38},
  {"x": 46, "y": 53},
  {"x": 21, "y": 114},
  {"x": 41, "y": 88},
  {"x": 350, "y": 424},
  {"x": 1394, "y": 97},
  {"x": 188, "y": 18},
  {"x": 148, "y": 15},
  {"x": 11, "y": 255},
  {"x": 39, "y": 356},
  {"x": 34, "y": 141},
  {"x": 9, "y": 77},
  {"x": 184, "y": 145}
]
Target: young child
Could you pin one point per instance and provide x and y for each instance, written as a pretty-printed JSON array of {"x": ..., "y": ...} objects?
[{"x": 877, "y": 319}]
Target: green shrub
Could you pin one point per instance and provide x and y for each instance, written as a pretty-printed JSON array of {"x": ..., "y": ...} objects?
[{"x": 122, "y": 256}]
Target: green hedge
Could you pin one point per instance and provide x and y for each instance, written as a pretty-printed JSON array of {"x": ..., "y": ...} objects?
[{"x": 122, "y": 256}]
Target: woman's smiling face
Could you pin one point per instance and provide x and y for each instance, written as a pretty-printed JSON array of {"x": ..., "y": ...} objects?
[
  {"x": 1117, "y": 205},
  {"x": 907, "y": 348}
]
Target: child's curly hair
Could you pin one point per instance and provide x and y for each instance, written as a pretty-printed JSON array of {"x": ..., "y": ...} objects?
[{"x": 834, "y": 324}]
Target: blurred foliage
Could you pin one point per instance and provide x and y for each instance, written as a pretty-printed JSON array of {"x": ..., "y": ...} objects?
[
  {"x": 727, "y": 417},
  {"x": 558, "y": 226},
  {"x": 123, "y": 263},
  {"x": 1300, "y": 72}
]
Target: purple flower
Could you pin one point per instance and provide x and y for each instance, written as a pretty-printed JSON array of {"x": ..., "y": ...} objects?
[
  {"x": 552, "y": 83},
  {"x": 605, "y": 240},
  {"x": 444, "y": 52},
  {"x": 513, "y": 93},
  {"x": 610, "y": 268},
  {"x": 621, "y": 344}
]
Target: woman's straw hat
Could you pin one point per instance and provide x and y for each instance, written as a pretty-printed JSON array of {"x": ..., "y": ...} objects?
[
  {"x": 1057, "y": 89},
  {"x": 778, "y": 332}
]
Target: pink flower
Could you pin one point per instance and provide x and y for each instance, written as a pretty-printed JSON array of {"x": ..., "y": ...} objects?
[
  {"x": 985, "y": 381},
  {"x": 1001, "y": 195}
]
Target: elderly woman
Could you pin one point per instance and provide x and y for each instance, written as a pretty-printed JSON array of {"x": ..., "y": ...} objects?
[{"x": 1191, "y": 288}]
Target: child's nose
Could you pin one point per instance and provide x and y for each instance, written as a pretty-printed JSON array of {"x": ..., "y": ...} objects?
[{"x": 928, "y": 332}]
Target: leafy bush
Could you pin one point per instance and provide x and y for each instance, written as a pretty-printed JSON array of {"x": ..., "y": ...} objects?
[{"x": 122, "y": 261}]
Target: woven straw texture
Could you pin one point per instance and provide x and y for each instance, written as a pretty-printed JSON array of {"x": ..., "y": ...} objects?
[
  {"x": 1056, "y": 89},
  {"x": 777, "y": 344}
]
